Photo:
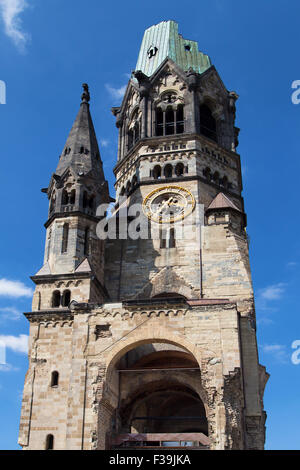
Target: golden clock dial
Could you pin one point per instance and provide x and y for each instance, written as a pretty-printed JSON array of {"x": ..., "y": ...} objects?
[{"x": 168, "y": 204}]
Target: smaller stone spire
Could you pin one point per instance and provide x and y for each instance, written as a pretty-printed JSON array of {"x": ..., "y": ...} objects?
[{"x": 81, "y": 151}]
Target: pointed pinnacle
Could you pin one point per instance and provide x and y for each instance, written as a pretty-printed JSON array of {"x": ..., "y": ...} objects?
[{"x": 85, "y": 97}]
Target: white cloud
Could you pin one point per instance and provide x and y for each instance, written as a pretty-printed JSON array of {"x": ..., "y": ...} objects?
[
  {"x": 14, "y": 288},
  {"x": 16, "y": 343},
  {"x": 10, "y": 13},
  {"x": 277, "y": 351},
  {"x": 7, "y": 368},
  {"x": 104, "y": 142},
  {"x": 265, "y": 301},
  {"x": 274, "y": 292},
  {"x": 116, "y": 93},
  {"x": 292, "y": 264},
  {"x": 9, "y": 313}
]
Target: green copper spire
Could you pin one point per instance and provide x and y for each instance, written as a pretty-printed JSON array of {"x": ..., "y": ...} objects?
[{"x": 162, "y": 40}]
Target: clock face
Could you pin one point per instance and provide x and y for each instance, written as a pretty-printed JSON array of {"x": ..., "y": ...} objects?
[{"x": 168, "y": 204}]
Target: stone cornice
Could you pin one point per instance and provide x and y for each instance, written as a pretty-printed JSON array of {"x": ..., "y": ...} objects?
[
  {"x": 155, "y": 140},
  {"x": 63, "y": 215},
  {"x": 49, "y": 315},
  {"x": 61, "y": 277}
]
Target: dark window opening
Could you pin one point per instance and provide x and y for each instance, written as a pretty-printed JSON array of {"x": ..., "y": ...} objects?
[
  {"x": 170, "y": 121},
  {"x": 224, "y": 182},
  {"x": 207, "y": 173},
  {"x": 85, "y": 199},
  {"x": 66, "y": 298},
  {"x": 54, "y": 379},
  {"x": 91, "y": 202},
  {"x": 187, "y": 47},
  {"x": 172, "y": 241},
  {"x": 136, "y": 132},
  {"x": 179, "y": 169},
  {"x": 159, "y": 122},
  {"x": 72, "y": 197},
  {"x": 163, "y": 238},
  {"x": 65, "y": 238},
  {"x": 64, "y": 198},
  {"x": 134, "y": 181},
  {"x": 52, "y": 204},
  {"x": 128, "y": 188},
  {"x": 168, "y": 171},
  {"x": 130, "y": 139},
  {"x": 87, "y": 241},
  {"x": 179, "y": 120},
  {"x": 133, "y": 135},
  {"x": 50, "y": 442},
  {"x": 216, "y": 177},
  {"x": 208, "y": 126},
  {"x": 157, "y": 172},
  {"x": 56, "y": 299}
]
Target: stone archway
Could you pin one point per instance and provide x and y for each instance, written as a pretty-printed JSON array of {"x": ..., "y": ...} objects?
[
  {"x": 155, "y": 334},
  {"x": 146, "y": 335}
]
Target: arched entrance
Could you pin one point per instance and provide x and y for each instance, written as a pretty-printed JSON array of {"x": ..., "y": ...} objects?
[{"x": 160, "y": 399}]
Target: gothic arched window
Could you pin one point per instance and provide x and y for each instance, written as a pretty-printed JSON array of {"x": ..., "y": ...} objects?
[
  {"x": 168, "y": 171},
  {"x": 207, "y": 173},
  {"x": 179, "y": 169},
  {"x": 179, "y": 119},
  {"x": 216, "y": 177},
  {"x": 85, "y": 200},
  {"x": 224, "y": 182},
  {"x": 91, "y": 202},
  {"x": 128, "y": 188},
  {"x": 64, "y": 198},
  {"x": 65, "y": 238},
  {"x": 130, "y": 139},
  {"x": 72, "y": 197},
  {"x": 172, "y": 241},
  {"x": 87, "y": 241},
  {"x": 170, "y": 118},
  {"x": 170, "y": 121},
  {"x": 66, "y": 298},
  {"x": 49, "y": 442},
  {"x": 134, "y": 130},
  {"x": 159, "y": 122},
  {"x": 56, "y": 299},
  {"x": 208, "y": 125},
  {"x": 52, "y": 203},
  {"x": 134, "y": 181},
  {"x": 157, "y": 172},
  {"x": 54, "y": 379}
]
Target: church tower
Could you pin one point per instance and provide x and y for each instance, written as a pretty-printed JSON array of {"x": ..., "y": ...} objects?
[
  {"x": 74, "y": 256},
  {"x": 143, "y": 327}
]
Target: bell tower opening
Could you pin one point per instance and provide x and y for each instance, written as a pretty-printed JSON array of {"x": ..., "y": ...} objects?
[{"x": 208, "y": 126}]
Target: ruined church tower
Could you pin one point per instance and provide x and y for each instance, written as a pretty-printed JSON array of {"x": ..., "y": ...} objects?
[{"x": 145, "y": 336}]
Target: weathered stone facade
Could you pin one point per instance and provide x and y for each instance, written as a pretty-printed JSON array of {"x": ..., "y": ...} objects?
[{"x": 148, "y": 339}]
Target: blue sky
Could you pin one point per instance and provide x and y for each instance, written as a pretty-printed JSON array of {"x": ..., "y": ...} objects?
[{"x": 48, "y": 48}]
